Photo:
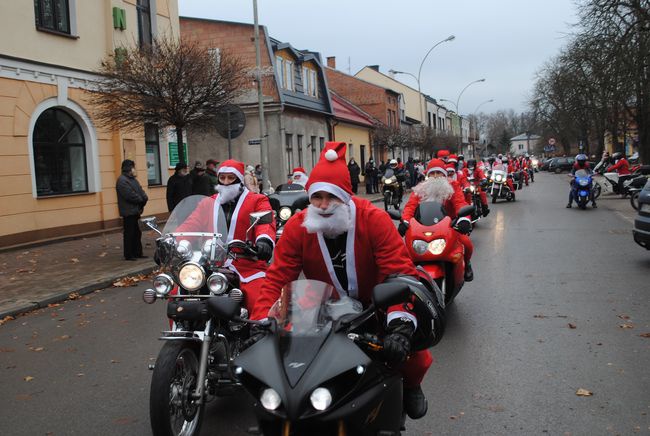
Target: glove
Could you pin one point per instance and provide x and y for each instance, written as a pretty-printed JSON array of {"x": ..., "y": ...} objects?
[
  {"x": 403, "y": 227},
  {"x": 256, "y": 334},
  {"x": 397, "y": 343},
  {"x": 264, "y": 249}
]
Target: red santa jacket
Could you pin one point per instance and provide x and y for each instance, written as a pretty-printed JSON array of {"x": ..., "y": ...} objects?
[
  {"x": 478, "y": 174},
  {"x": 452, "y": 205},
  {"x": 205, "y": 217},
  {"x": 461, "y": 179},
  {"x": 374, "y": 251},
  {"x": 622, "y": 167}
]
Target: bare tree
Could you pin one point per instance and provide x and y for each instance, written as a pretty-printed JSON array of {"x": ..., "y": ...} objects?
[{"x": 170, "y": 83}]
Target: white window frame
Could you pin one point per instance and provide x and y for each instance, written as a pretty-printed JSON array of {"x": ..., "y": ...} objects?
[
  {"x": 279, "y": 70},
  {"x": 313, "y": 78},
  {"x": 305, "y": 81},
  {"x": 288, "y": 69}
]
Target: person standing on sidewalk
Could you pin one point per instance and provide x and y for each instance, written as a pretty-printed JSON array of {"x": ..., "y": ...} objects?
[
  {"x": 370, "y": 175},
  {"x": 179, "y": 186},
  {"x": 200, "y": 180},
  {"x": 131, "y": 200},
  {"x": 211, "y": 172},
  {"x": 354, "y": 170}
]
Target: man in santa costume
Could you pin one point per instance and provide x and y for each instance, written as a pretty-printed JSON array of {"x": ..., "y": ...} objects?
[
  {"x": 347, "y": 242},
  {"x": 444, "y": 155},
  {"x": 237, "y": 203},
  {"x": 299, "y": 176},
  {"x": 476, "y": 172},
  {"x": 437, "y": 187}
]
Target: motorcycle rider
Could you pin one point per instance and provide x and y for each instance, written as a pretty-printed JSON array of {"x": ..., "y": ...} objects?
[
  {"x": 622, "y": 167},
  {"x": 400, "y": 175},
  {"x": 345, "y": 241},
  {"x": 436, "y": 187},
  {"x": 511, "y": 172},
  {"x": 299, "y": 176},
  {"x": 579, "y": 164},
  {"x": 472, "y": 170},
  {"x": 238, "y": 203},
  {"x": 444, "y": 155},
  {"x": 523, "y": 166}
]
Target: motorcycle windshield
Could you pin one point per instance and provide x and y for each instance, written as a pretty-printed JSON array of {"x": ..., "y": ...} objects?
[
  {"x": 499, "y": 167},
  {"x": 389, "y": 173},
  {"x": 429, "y": 213},
  {"x": 290, "y": 187},
  {"x": 582, "y": 174},
  {"x": 199, "y": 219},
  {"x": 305, "y": 313}
]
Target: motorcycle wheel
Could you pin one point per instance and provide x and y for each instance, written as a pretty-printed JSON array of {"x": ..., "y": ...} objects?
[
  {"x": 494, "y": 199},
  {"x": 442, "y": 285},
  {"x": 634, "y": 200},
  {"x": 171, "y": 411},
  {"x": 582, "y": 202},
  {"x": 597, "y": 190},
  {"x": 386, "y": 201}
]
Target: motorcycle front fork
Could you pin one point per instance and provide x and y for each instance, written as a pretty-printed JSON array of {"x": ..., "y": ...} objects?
[{"x": 203, "y": 362}]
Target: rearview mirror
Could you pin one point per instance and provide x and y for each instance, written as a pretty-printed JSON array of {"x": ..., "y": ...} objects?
[
  {"x": 466, "y": 210},
  {"x": 385, "y": 295},
  {"x": 265, "y": 217},
  {"x": 395, "y": 215},
  {"x": 223, "y": 307},
  {"x": 152, "y": 223}
]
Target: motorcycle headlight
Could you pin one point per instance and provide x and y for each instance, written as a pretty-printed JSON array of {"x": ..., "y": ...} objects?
[
  {"x": 270, "y": 399},
  {"x": 498, "y": 177},
  {"x": 162, "y": 284},
  {"x": 184, "y": 248},
  {"x": 191, "y": 276},
  {"x": 387, "y": 181},
  {"x": 583, "y": 182},
  {"x": 217, "y": 284},
  {"x": 285, "y": 213},
  {"x": 419, "y": 246},
  {"x": 437, "y": 246},
  {"x": 320, "y": 399}
]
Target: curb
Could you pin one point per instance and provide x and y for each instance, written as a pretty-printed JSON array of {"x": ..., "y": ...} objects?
[{"x": 63, "y": 296}]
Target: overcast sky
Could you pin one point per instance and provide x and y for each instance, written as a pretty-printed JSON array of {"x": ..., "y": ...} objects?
[{"x": 503, "y": 41}]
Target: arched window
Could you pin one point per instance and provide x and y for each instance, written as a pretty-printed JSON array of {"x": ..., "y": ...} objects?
[{"x": 59, "y": 154}]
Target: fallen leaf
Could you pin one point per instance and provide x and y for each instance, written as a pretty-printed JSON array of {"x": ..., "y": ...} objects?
[
  {"x": 624, "y": 316},
  {"x": 115, "y": 361},
  {"x": 81, "y": 374},
  {"x": 584, "y": 393},
  {"x": 22, "y": 270},
  {"x": 62, "y": 338},
  {"x": 627, "y": 325},
  {"x": 74, "y": 260},
  {"x": 32, "y": 261},
  {"x": 540, "y": 316},
  {"x": 645, "y": 335},
  {"x": 37, "y": 349},
  {"x": 54, "y": 305},
  {"x": 571, "y": 325},
  {"x": 28, "y": 378},
  {"x": 7, "y": 350},
  {"x": 6, "y": 319},
  {"x": 102, "y": 254},
  {"x": 73, "y": 296}
]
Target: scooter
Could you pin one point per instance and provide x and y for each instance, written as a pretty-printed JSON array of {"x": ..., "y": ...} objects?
[
  {"x": 582, "y": 188},
  {"x": 432, "y": 240}
]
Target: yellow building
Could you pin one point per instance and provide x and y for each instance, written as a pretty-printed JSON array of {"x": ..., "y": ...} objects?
[
  {"x": 59, "y": 169},
  {"x": 354, "y": 127}
]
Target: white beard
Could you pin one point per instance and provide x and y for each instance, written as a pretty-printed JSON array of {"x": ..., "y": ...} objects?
[
  {"x": 332, "y": 226},
  {"x": 434, "y": 189},
  {"x": 227, "y": 193},
  {"x": 300, "y": 179}
]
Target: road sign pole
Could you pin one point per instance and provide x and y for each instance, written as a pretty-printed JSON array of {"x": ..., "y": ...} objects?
[{"x": 229, "y": 137}]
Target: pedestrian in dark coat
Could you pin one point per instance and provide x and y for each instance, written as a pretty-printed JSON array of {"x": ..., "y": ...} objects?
[
  {"x": 354, "y": 170},
  {"x": 200, "y": 181},
  {"x": 211, "y": 172},
  {"x": 370, "y": 173},
  {"x": 179, "y": 186},
  {"x": 131, "y": 200}
]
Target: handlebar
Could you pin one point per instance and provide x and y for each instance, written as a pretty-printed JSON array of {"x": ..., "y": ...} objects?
[
  {"x": 367, "y": 340},
  {"x": 246, "y": 247}
]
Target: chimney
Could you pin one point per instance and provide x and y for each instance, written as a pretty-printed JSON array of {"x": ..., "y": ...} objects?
[
  {"x": 331, "y": 62},
  {"x": 374, "y": 67}
]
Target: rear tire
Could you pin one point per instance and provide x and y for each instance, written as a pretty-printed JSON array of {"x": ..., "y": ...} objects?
[
  {"x": 634, "y": 200},
  {"x": 171, "y": 411}
]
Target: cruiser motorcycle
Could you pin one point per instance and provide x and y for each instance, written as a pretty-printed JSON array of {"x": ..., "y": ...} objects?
[
  {"x": 392, "y": 189},
  {"x": 286, "y": 201},
  {"x": 499, "y": 188},
  {"x": 195, "y": 363}
]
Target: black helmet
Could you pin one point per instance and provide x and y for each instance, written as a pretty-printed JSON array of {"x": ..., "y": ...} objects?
[
  {"x": 618, "y": 155},
  {"x": 491, "y": 159},
  {"x": 471, "y": 163},
  {"x": 427, "y": 303},
  {"x": 461, "y": 157}
]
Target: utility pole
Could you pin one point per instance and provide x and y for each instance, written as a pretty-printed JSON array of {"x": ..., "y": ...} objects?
[{"x": 264, "y": 144}]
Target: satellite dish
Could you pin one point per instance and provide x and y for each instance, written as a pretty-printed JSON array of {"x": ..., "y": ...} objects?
[{"x": 231, "y": 118}]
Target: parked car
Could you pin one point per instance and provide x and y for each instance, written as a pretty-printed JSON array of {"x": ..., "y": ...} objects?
[
  {"x": 559, "y": 164},
  {"x": 641, "y": 231},
  {"x": 543, "y": 164}
]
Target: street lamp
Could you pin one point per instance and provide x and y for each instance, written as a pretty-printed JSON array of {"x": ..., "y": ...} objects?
[
  {"x": 417, "y": 79},
  {"x": 460, "y": 137}
]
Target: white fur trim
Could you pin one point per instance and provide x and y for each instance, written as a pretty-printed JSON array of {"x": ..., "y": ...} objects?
[
  {"x": 265, "y": 237},
  {"x": 399, "y": 314},
  {"x": 331, "y": 155},
  {"x": 440, "y": 169},
  {"x": 231, "y": 170},
  {"x": 331, "y": 188},
  {"x": 235, "y": 214},
  {"x": 350, "y": 258}
]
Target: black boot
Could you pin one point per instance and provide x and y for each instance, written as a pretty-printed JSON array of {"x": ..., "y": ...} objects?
[
  {"x": 593, "y": 204},
  {"x": 486, "y": 210},
  {"x": 415, "y": 403},
  {"x": 469, "y": 273},
  {"x": 568, "y": 206}
]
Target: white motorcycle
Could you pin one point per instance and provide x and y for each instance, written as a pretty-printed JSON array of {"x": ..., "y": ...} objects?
[{"x": 603, "y": 181}]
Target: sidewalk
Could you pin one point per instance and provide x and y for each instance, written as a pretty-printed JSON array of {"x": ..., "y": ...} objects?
[{"x": 33, "y": 277}]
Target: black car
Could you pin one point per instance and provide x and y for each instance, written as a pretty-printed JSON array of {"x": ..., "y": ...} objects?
[
  {"x": 543, "y": 164},
  {"x": 641, "y": 229},
  {"x": 559, "y": 164}
]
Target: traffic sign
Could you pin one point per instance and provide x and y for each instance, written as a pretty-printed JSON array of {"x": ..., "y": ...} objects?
[{"x": 254, "y": 141}]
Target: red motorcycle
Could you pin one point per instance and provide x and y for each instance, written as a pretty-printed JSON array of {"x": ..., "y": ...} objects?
[{"x": 433, "y": 244}]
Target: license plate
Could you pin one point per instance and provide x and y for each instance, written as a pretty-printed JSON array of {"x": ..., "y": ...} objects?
[{"x": 645, "y": 207}]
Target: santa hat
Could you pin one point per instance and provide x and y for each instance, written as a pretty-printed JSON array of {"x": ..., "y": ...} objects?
[
  {"x": 299, "y": 170},
  {"x": 330, "y": 174},
  {"x": 232, "y": 166},
  {"x": 452, "y": 158},
  {"x": 450, "y": 167},
  {"x": 443, "y": 153},
  {"x": 436, "y": 165}
]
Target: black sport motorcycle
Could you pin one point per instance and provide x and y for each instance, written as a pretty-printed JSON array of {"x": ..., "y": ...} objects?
[
  {"x": 319, "y": 372},
  {"x": 392, "y": 188},
  {"x": 195, "y": 363},
  {"x": 286, "y": 201}
]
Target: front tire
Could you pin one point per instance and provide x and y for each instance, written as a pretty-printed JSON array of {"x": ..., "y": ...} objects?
[
  {"x": 387, "y": 201},
  {"x": 171, "y": 409},
  {"x": 634, "y": 200}
]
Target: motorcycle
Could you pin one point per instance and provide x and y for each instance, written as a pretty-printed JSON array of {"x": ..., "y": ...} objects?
[
  {"x": 499, "y": 188},
  {"x": 582, "y": 188},
  {"x": 286, "y": 201},
  {"x": 432, "y": 242},
  {"x": 318, "y": 371},
  {"x": 474, "y": 190},
  {"x": 392, "y": 188},
  {"x": 195, "y": 363}
]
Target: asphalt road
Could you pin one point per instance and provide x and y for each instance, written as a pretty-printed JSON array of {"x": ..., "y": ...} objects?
[{"x": 559, "y": 303}]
